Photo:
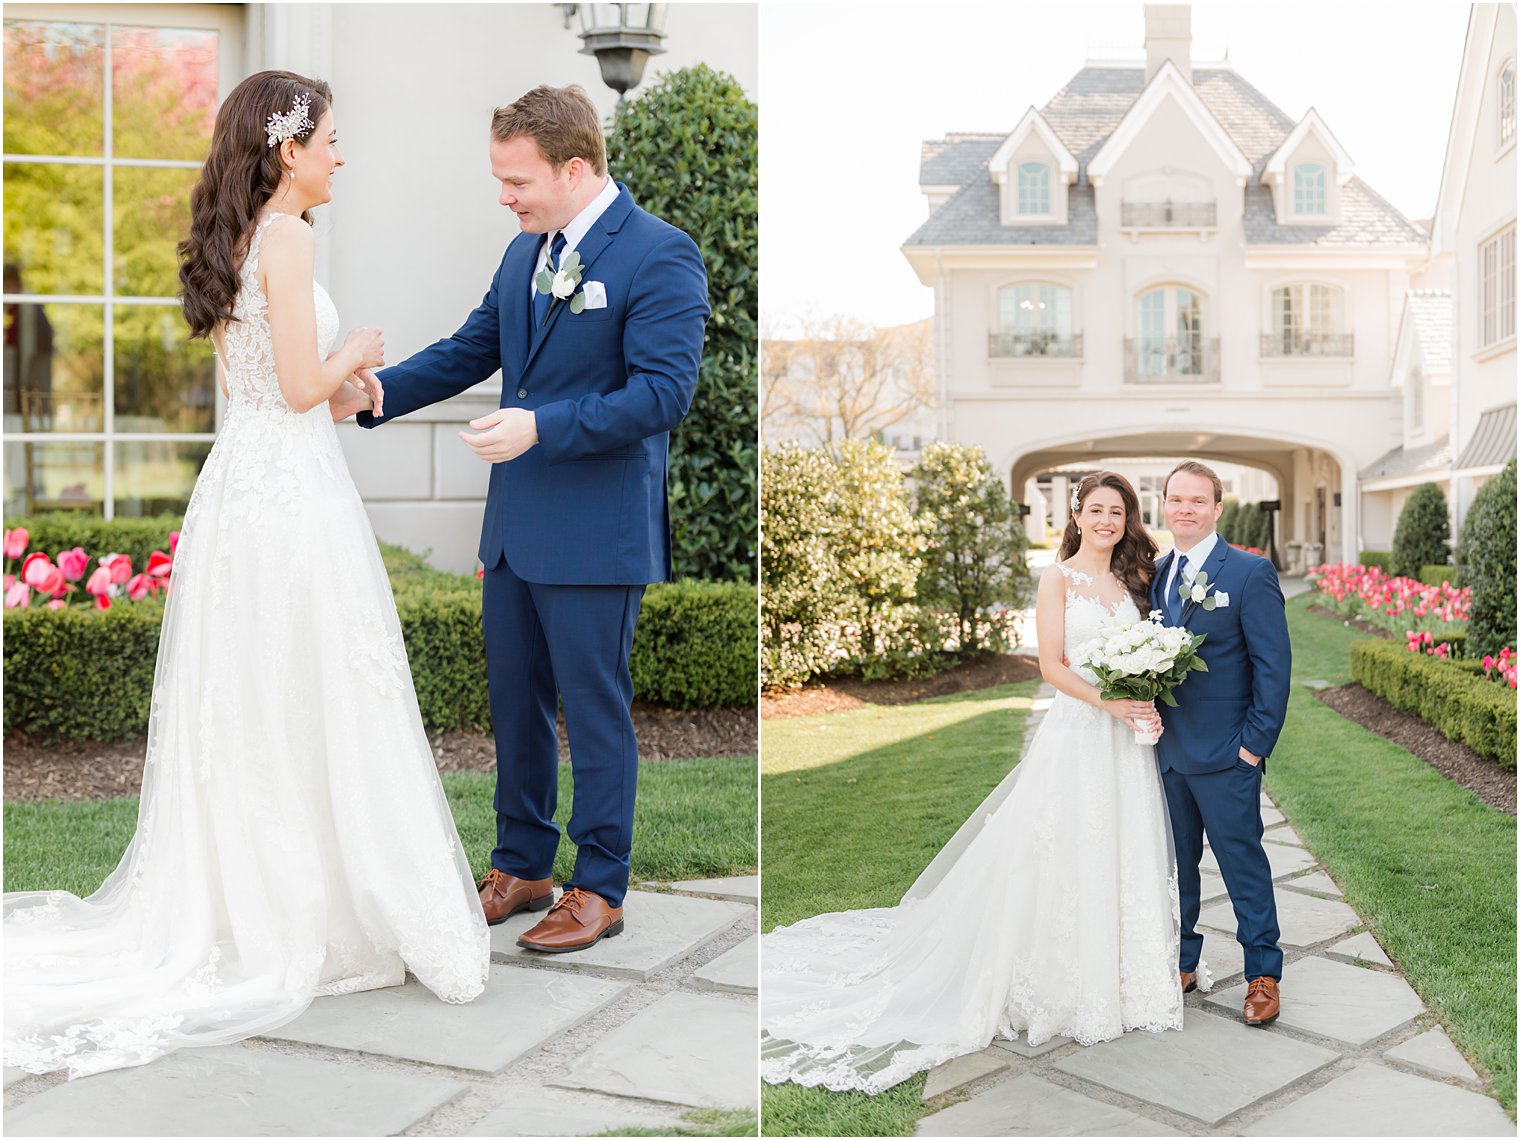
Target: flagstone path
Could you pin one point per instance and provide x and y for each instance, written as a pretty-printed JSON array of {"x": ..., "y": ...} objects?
[
  {"x": 1354, "y": 1053},
  {"x": 633, "y": 1033}
]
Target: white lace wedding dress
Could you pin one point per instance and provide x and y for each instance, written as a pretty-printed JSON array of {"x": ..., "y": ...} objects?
[
  {"x": 1053, "y": 911},
  {"x": 293, "y": 839}
]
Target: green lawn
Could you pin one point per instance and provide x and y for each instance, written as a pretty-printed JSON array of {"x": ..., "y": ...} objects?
[
  {"x": 853, "y": 807},
  {"x": 1429, "y": 864},
  {"x": 693, "y": 819}
]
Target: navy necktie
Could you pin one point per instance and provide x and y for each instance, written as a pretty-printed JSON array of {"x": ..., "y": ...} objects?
[
  {"x": 541, "y": 299},
  {"x": 1174, "y": 594}
]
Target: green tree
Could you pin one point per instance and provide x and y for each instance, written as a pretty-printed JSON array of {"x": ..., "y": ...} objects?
[
  {"x": 974, "y": 559},
  {"x": 1229, "y": 520},
  {"x": 880, "y": 544},
  {"x": 1423, "y": 534},
  {"x": 1486, "y": 561},
  {"x": 687, "y": 150}
]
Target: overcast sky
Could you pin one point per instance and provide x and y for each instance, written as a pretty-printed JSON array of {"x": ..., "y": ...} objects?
[{"x": 852, "y": 89}]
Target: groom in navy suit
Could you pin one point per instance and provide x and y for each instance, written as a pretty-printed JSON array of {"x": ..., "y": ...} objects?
[
  {"x": 595, "y": 319},
  {"x": 1217, "y": 740}
]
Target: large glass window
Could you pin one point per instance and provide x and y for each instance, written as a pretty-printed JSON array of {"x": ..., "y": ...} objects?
[
  {"x": 1034, "y": 319},
  {"x": 1034, "y": 188},
  {"x": 1308, "y": 188},
  {"x": 1171, "y": 333},
  {"x": 1308, "y": 320},
  {"x": 108, "y": 405},
  {"x": 1507, "y": 104},
  {"x": 1496, "y": 261}
]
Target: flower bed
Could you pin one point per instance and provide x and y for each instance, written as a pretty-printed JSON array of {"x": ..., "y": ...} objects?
[{"x": 1398, "y": 605}]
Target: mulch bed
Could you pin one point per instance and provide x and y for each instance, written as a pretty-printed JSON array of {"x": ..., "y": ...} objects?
[
  {"x": 838, "y": 695},
  {"x": 1355, "y": 623},
  {"x": 1478, "y": 774},
  {"x": 89, "y": 770}
]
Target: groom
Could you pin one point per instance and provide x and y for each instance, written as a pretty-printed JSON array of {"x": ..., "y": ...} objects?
[
  {"x": 595, "y": 318},
  {"x": 1217, "y": 740}
]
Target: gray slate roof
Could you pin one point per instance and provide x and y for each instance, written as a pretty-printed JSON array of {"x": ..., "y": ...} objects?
[
  {"x": 1430, "y": 310},
  {"x": 1085, "y": 112},
  {"x": 1409, "y": 461},
  {"x": 1493, "y": 440}
]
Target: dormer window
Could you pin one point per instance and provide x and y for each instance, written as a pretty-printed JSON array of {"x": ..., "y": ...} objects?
[
  {"x": 1034, "y": 188},
  {"x": 1507, "y": 104},
  {"x": 1309, "y": 188}
]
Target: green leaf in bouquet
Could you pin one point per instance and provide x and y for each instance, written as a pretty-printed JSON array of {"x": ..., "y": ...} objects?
[
  {"x": 1198, "y": 664},
  {"x": 1167, "y": 698}
]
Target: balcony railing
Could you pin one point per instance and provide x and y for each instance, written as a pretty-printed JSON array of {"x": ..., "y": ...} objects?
[
  {"x": 1189, "y": 360},
  {"x": 1002, "y": 345},
  {"x": 1169, "y": 215},
  {"x": 1312, "y": 344}
]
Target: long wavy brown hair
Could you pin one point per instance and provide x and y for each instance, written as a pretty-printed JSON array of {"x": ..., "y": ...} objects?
[
  {"x": 241, "y": 173},
  {"x": 1133, "y": 560}
]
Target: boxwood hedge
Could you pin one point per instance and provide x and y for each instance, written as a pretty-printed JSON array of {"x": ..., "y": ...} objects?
[{"x": 1463, "y": 704}]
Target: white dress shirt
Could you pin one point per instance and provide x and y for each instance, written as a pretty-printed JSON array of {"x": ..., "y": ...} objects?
[
  {"x": 577, "y": 228},
  {"x": 1194, "y": 558}
]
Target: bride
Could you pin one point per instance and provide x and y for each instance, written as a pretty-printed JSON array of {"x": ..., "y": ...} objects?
[
  {"x": 292, "y": 839},
  {"x": 1052, "y": 911}
]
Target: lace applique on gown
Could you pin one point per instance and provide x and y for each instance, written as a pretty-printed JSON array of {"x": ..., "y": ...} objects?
[
  {"x": 293, "y": 839},
  {"x": 1052, "y": 912}
]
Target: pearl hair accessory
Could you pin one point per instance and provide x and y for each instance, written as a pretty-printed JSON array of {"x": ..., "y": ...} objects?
[
  {"x": 291, "y": 123},
  {"x": 1076, "y": 494}
]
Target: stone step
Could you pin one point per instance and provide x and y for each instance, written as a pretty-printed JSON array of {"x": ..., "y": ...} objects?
[
  {"x": 1031, "y": 1106},
  {"x": 1318, "y": 881},
  {"x": 1371, "y": 1100},
  {"x": 738, "y": 888},
  {"x": 233, "y": 1091},
  {"x": 1434, "y": 1052},
  {"x": 735, "y": 971},
  {"x": 962, "y": 1071},
  {"x": 688, "y": 1049},
  {"x": 660, "y": 930},
  {"x": 520, "y": 1010},
  {"x": 1361, "y": 947},
  {"x": 1302, "y": 919},
  {"x": 1285, "y": 860},
  {"x": 568, "y": 1118},
  {"x": 1347, "y": 1003}
]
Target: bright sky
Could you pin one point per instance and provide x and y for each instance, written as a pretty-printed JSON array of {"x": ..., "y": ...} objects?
[{"x": 852, "y": 89}]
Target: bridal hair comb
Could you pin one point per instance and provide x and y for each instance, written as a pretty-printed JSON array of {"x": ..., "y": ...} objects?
[
  {"x": 292, "y": 123},
  {"x": 1076, "y": 494}
]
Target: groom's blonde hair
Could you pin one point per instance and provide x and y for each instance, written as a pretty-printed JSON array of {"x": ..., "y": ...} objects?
[
  {"x": 1193, "y": 467},
  {"x": 561, "y": 120}
]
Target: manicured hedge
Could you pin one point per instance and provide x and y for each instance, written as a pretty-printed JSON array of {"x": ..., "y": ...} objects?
[
  {"x": 1435, "y": 575},
  {"x": 1382, "y": 559},
  {"x": 85, "y": 674},
  {"x": 1464, "y": 706}
]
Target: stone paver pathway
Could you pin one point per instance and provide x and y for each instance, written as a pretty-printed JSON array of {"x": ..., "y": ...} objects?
[
  {"x": 1355, "y": 1052},
  {"x": 633, "y": 1033}
]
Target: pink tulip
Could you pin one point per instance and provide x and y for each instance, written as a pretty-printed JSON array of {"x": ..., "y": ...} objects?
[
  {"x": 73, "y": 563},
  {"x": 58, "y": 604},
  {"x": 120, "y": 566},
  {"x": 159, "y": 564},
  {"x": 18, "y": 596},
  {"x": 140, "y": 587},
  {"x": 15, "y": 542},
  {"x": 173, "y": 540},
  {"x": 100, "y": 581}
]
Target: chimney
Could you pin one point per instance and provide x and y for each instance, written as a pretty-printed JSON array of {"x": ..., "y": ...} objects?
[{"x": 1168, "y": 36}]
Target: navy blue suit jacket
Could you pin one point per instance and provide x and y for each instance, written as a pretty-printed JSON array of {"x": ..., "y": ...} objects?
[
  {"x": 1243, "y": 698},
  {"x": 588, "y": 505}
]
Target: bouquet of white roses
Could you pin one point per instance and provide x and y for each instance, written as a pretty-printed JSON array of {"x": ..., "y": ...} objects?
[{"x": 1145, "y": 662}]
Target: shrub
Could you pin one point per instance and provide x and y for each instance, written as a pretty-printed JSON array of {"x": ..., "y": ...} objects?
[
  {"x": 1436, "y": 575},
  {"x": 1382, "y": 559},
  {"x": 1463, "y": 706},
  {"x": 879, "y": 543},
  {"x": 64, "y": 530},
  {"x": 974, "y": 558},
  {"x": 1423, "y": 533},
  {"x": 1487, "y": 563},
  {"x": 687, "y": 149},
  {"x": 1229, "y": 519},
  {"x": 694, "y": 646}
]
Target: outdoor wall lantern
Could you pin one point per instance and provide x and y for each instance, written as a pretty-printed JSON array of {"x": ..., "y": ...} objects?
[{"x": 622, "y": 37}]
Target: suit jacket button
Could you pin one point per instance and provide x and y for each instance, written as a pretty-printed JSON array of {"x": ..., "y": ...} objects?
[{"x": 522, "y": 393}]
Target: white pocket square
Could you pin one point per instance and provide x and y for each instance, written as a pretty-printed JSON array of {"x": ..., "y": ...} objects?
[
  {"x": 1221, "y": 598},
  {"x": 596, "y": 294}
]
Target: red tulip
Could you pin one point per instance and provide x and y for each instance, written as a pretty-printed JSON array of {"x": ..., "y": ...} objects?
[
  {"x": 139, "y": 587},
  {"x": 173, "y": 540},
  {"x": 159, "y": 564},
  {"x": 15, "y": 542},
  {"x": 102, "y": 602},
  {"x": 120, "y": 566},
  {"x": 100, "y": 581},
  {"x": 73, "y": 563},
  {"x": 18, "y": 596}
]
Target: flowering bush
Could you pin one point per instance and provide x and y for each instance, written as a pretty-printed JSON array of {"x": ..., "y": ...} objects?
[
  {"x": 1503, "y": 665},
  {"x": 56, "y": 583},
  {"x": 1398, "y": 605}
]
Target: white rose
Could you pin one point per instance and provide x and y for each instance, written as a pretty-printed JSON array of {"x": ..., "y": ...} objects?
[
  {"x": 1199, "y": 592},
  {"x": 563, "y": 285}
]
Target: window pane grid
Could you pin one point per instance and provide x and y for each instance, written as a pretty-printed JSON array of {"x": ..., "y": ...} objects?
[
  {"x": 1507, "y": 104},
  {"x": 1496, "y": 259},
  {"x": 1034, "y": 188},
  {"x": 1308, "y": 188}
]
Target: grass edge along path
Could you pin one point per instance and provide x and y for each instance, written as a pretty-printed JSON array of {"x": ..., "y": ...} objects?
[
  {"x": 1426, "y": 862},
  {"x": 854, "y": 805},
  {"x": 692, "y": 819}
]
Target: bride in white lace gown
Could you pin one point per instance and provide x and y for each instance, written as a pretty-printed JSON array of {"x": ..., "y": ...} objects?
[
  {"x": 1053, "y": 910},
  {"x": 293, "y": 838}
]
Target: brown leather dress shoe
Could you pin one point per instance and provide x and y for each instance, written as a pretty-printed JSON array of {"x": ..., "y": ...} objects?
[
  {"x": 578, "y": 920},
  {"x": 503, "y": 895},
  {"x": 1263, "y": 1003},
  {"x": 1189, "y": 980}
]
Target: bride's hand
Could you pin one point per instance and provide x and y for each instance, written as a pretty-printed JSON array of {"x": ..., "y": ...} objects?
[
  {"x": 367, "y": 382},
  {"x": 346, "y": 401},
  {"x": 367, "y": 345},
  {"x": 1136, "y": 714}
]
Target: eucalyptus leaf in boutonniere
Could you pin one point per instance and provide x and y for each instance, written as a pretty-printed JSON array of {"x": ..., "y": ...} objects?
[
  {"x": 562, "y": 283},
  {"x": 1201, "y": 591}
]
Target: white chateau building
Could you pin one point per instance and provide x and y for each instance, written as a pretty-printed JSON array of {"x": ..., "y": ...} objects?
[
  {"x": 1454, "y": 358},
  {"x": 1159, "y": 262}
]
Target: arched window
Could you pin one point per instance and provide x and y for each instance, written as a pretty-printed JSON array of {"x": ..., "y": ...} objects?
[
  {"x": 1034, "y": 188},
  {"x": 1507, "y": 104},
  {"x": 1309, "y": 188},
  {"x": 1171, "y": 341},
  {"x": 1308, "y": 320},
  {"x": 1034, "y": 319}
]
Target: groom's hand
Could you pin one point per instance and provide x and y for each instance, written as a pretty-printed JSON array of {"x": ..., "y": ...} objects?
[
  {"x": 1249, "y": 757},
  {"x": 504, "y": 434}
]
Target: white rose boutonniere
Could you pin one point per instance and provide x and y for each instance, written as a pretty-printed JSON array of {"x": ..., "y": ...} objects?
[
  {"x": 561, "y": 283},
  {"x": 1202, "y": 592}
]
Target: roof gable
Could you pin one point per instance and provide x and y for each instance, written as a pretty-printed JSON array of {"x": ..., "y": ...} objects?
[
  {"x": 1033, "y": 123},
  {"x": 1169, "y": 83},
  {"x": 1310, "y": 124}
]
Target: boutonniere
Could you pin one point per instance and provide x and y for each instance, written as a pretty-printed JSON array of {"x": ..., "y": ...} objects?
[
  {"x": 1203, "y": 592},
  {"x": 561, "y": 284}
]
